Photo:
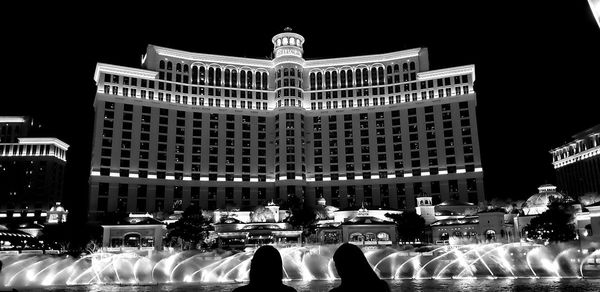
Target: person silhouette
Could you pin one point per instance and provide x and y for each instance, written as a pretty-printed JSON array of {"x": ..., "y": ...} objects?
[
  {"x": 266, "y": 271},
  {"x": 355, "y": 271}
]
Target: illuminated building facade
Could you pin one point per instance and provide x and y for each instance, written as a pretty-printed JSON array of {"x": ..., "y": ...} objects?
[
  {"x": 577, "y": 163},
  {"x": 31, "y": 171},
  {"x": 216, "y": 130}
]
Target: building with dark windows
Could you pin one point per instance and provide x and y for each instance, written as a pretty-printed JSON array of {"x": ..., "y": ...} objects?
[
  {"x": 31, "y": 171},
  {"x": 577, "y": 163},
  {"x": 217, "y": 130}
]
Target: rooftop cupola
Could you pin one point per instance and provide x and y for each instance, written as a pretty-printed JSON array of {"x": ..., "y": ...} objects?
[{"x": 288, "y": 43}]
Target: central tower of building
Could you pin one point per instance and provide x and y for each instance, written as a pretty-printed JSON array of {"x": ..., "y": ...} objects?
[{"x": 290, "y": 160}]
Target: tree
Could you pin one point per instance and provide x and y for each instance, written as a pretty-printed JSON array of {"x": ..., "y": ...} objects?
[
  {"x": 190, "y": 230},
  {"x": 302, "y": 215},
  {"x": 410, "y": 225},
  {"x": 554, "y": 225}
]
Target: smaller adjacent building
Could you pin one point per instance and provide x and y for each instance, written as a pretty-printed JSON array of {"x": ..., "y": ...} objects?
[
  {"x": 462, "y": 221},
  {"x": 577, "y": 163},
  {"x": 536, "y": 205},
  {"x": 31, "y": 171},
  {"x": 365, "y": 229},
  {"x": 134, "y": 233},
  {"x": 361, "y": 226},
  {"x": 263, "y": 225}
]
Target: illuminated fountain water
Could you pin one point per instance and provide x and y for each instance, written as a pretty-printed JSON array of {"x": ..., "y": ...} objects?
[{"x": 494, "y": 260}]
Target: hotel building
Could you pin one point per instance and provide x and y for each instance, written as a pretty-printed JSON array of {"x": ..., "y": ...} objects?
[
  {"x": 31, "y": 171},
  {"x": 577, "y": 163},
  {"x": 218, "y": 130}
]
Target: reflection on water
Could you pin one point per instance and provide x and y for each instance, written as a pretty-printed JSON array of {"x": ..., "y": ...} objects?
[{"x": 471, "y": 285}]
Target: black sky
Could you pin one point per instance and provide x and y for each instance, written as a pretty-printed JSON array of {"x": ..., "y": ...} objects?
[{"x": 537, "y": 67}]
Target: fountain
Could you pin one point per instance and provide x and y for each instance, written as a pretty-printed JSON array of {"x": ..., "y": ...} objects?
[{"x": 492, "y": 260}]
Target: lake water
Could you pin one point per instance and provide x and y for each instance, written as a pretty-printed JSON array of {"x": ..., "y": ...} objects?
[{"x": 471, "y": 285}]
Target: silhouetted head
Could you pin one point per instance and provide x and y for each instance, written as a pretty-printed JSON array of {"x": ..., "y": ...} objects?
[
  {"x": 266, "y": 267},
  {"x": 352, "y": 265}
]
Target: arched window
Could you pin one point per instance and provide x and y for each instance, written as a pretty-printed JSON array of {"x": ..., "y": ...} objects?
[
  {"x": 201, "y": 75},
  {"x": 382, "y": 236},
  {"x": 227, "y": 77},
  {"x": 313, "y": 81},
  {"x": 178, "y": 67},
  {"x": 319, "y": 81},
  {"x": 161, "y": 64},
  {"x": 380, "y": 75},
  {"x": 327, "y": 80},
  {"x": 132, "y": 240},
  {"x": 389, "y": 69},
  {"x": 396, "y": 68},
  {"x": 412, "y": 65},
  {"x": 356, "y": 237},
  {"x": 186, "y": 68},
  {"x": 169, "y": 65},
  {"x": 299, "y": 73},
  {"x": 369, "y": 236},
  {"x": 405, "y": 67},
  {"x": 365, "y": 73},
  {"x": 358, "y": 78},
  {"x": 218, "y": 77},
  {"x": 292, "y": 72},
  {"x": 211, "y": 76},
  {"x": 286, "y": 72},
  {"x": 234, "y": 78},
  {"x": 194, "y": 75},
  {"x": 334, "y": 79},
  {"x": 258, "y": 80},
  {"x": 343, "y": 79},
  {"x": 249, "y": 80},
  {"x": 243, "y": 79},
  {"x": 265, "y": 81},
  {"x": 279, "y": 73},
  {"x": 349, "y": 75},
  {"x": 373, "y": 76},
  {"x": 444, "y": 236}
]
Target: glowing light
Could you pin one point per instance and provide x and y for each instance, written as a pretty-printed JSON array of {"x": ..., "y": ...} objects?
[
  {"x": 12, "y": 120},
  {"x": 595, "y": 7}
]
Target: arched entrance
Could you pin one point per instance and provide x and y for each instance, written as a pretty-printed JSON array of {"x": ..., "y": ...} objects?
[
  {"x": 132, "y": 240},
  {"x": 490, "y": 234},
  {"x": 356, "y": 237}
]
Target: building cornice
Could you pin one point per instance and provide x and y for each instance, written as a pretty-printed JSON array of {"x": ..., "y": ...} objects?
[
  {"x": 577, "y": 157},
  {"x": 209, "y": 58},
  {"x": 44, "y": 141},
  {"x": 447, "y": 72},
  {"x": 348, "y": 61},
  {"x": 123, "y": 71}
]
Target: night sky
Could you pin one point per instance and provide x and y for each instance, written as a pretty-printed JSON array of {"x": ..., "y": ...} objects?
[{"x": 537, "y": 67}]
